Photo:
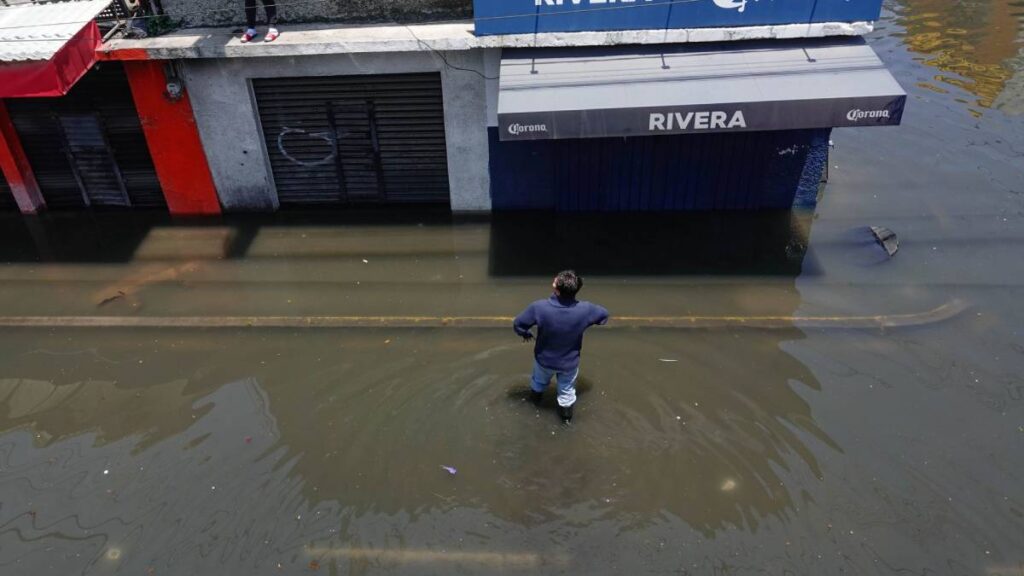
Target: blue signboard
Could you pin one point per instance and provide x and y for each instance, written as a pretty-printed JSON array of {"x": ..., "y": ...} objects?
[{"x": 531, "y": 16}]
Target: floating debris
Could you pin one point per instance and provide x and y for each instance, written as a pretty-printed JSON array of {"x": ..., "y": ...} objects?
[
  {"x": 667, "y": 360},
  {"x": 109, "y": 299},
  {"x": 449, "y": 469},
  {"x": 886, "y": 239},
  {"x": 864, "y": 243}
]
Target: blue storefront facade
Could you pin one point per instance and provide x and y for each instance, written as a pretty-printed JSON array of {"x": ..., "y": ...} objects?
[
  {"x": 680, "y": 126},
  {"x": 751, "y": 171}
]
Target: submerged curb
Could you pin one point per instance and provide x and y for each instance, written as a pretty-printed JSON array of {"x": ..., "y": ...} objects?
[{"x": 942, "y": 313}]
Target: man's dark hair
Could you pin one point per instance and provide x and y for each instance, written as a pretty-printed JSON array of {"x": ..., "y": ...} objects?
[{"x": 568, "y": 283}]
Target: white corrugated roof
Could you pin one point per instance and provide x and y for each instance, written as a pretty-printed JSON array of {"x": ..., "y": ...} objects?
[{"x": 37, "y": 31}]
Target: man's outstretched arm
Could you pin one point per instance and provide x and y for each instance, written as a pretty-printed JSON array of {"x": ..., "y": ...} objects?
[{"x": 598, "y": 315}]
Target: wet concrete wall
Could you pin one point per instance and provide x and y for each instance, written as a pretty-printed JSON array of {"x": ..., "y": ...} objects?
[
  {"x": 225, "y": 112},
  {"x": 193, "y": 13}
]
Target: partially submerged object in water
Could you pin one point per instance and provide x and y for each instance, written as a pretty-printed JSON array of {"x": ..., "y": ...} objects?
[{"x": 886, "y": 239}]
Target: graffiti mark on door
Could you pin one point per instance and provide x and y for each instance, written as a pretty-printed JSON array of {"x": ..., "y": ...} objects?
[{"x": 325, "y": 136}]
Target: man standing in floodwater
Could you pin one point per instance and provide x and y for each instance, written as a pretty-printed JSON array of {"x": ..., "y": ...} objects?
[{"x": 561, "y": 321}]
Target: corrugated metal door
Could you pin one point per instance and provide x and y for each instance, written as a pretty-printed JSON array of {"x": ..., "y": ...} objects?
[
  {"x": 88, "y": 148},
  {"x": 356, "y": 150},
  {"x": 355, "y": 139},
  {"x": 92, "y": 161}
]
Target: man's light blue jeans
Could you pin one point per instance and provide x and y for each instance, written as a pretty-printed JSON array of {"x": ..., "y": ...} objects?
[{"x": 566, "y": 383}]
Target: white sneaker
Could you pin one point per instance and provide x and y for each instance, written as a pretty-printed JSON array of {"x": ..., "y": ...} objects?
[{"x": 272, "y": 35}]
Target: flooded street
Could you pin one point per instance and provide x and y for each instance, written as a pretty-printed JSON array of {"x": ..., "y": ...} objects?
[{"x": 774, "y": 395}]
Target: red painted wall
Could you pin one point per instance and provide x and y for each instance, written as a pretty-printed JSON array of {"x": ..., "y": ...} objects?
[
  {"x": 16, "y": 168},
  {"x": 173, "y": 140}
]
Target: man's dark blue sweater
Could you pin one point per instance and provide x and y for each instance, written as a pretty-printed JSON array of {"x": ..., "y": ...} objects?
[{"x": 560, "y": 326}]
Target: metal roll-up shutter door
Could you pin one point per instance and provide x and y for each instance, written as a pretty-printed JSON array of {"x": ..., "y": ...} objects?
[
  {"x": 90, "y": 156},
  {"x": 355, "y": 139},
  {"x": 111, "y": 98},
  {"x": 87, "y": 148},
  {"x": 42, "y": 140}
]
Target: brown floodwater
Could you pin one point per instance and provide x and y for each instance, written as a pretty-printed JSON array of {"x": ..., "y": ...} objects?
[
  {"x": 802, "y": 404},
  {"x": 976, "y": 48}
]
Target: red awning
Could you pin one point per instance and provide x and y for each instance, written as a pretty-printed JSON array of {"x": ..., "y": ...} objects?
[
  {"x": 46, "y": 47},
  {"x": 53, "y": 77}
]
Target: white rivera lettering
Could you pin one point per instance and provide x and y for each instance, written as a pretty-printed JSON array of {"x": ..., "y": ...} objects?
[
  {"x": 738, "y": 121},
  {"x": 703, "y": 120}
]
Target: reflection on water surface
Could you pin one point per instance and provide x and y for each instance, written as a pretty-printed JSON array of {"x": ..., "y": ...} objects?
[{"x": 977, "y": 46}]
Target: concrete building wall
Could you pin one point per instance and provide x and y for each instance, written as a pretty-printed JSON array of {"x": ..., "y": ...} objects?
[
  {"x": 192, "y": 13},
  {"x": 465, "y": 111},
  {"x": 228, "y": 122},
  {"x": 492, "y": 68}
]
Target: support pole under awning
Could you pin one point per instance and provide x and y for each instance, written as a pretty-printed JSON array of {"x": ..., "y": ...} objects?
[{"x": 676, "y": 89}]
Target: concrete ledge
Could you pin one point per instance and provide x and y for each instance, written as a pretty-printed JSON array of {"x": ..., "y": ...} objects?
[
  {"x": 341, "y": 39},
  {"x": 943, "y": 313}
]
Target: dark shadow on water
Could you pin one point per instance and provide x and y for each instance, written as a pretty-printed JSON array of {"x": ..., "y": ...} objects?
[
  {"x": 764, "y": 243},
  {"x": 75, "y": 237},
  {"x": 114, "y": 236}
]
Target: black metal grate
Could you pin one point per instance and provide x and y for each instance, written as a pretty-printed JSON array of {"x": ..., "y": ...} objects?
[
  {"x": 103, "y": 95},
  {"x": 360, "y": 139}
]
